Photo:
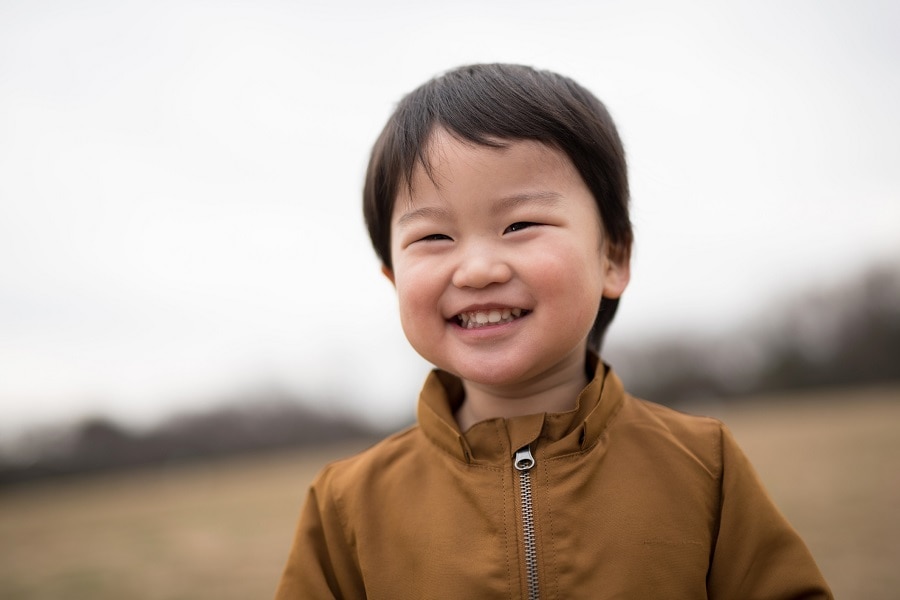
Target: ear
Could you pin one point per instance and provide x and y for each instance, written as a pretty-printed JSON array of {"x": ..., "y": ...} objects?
[
  {"x": 617, "y": 275},
  {"x": 387, "y": 272}
]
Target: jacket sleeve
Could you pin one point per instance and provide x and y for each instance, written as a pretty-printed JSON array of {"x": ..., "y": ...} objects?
[
  {"x": 320, "y": 564},
  {"x": 757, "y": 554}
]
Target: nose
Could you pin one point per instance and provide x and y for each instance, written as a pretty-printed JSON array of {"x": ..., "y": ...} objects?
[{"x": 480, "y": 266}]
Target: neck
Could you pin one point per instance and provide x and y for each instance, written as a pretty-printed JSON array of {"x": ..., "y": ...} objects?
[{"x": 550, "y": 394}]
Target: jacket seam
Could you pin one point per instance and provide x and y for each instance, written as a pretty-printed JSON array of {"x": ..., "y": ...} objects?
[
  {"x": 506, "y": 503},
  {"x": 550, "y": 537},
  {"x": 719, "y": 445},
  {"x": 345, "y": 521},
  {"x": 610, "y": 421}
]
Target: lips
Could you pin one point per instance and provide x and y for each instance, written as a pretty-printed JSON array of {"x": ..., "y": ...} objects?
[{"x": 494, "y": 316}]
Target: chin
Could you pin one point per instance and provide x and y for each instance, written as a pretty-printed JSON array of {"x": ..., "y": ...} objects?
[{"x": 486, "y": 373}]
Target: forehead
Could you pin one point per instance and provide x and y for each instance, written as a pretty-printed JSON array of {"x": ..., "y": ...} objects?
[{"x": 451, "y": 165}]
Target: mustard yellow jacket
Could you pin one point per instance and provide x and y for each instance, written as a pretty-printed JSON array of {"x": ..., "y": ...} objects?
[{"x": 619, "y": 498}]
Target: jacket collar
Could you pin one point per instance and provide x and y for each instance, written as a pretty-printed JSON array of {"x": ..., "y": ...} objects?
[{"x": 495, "y": 441}]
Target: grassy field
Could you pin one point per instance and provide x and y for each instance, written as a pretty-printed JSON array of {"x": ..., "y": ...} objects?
[{"x": 222, "y": 530}]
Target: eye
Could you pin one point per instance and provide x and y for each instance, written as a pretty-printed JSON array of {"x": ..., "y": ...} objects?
[
  {"x": 434, "y": 237},
  {"x": 519, "y": 226}
]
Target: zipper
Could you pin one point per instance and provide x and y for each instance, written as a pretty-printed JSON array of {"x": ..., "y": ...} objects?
[{"x": 524, "y": 462}]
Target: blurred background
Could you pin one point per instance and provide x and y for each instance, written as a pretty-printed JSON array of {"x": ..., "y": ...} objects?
[{"x": 192, "y": 320}]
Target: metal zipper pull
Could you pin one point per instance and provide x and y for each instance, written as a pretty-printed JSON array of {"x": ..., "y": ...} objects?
[
  {"x": 524, "y": 459},
  {"x": 524, "y": 462}
]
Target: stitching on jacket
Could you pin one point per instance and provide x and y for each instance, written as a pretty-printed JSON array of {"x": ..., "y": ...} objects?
[
  {"x": 600, "y": 438},
  {"x": 552, "y": 537},
  {"x": 499, "y": 437},
  {"x": 342, "y": 514},
  {"x": 339, "y": 509},
  {"x": 506, "y": 506},
  {"x": 719, "y": 445}
]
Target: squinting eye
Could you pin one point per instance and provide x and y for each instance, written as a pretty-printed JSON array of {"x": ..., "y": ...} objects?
[
  {"x": 434, "y": 237},
  {"x": 519, "y": 226}
]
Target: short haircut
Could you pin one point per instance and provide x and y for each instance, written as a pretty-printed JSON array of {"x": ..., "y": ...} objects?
[{"x": 489, "y": 104}]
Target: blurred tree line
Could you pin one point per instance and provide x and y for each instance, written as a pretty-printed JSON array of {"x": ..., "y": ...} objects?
[
  {"x": 842, "y": 336},
  {"x": 262, "y": 421},
  {"x": 845, "y": 336}
]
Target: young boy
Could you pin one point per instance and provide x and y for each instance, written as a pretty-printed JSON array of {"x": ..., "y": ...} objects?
[{"x": 497, "y": 200}]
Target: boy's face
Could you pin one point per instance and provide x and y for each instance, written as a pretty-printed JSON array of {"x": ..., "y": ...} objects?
[{"x": 499, "y": 262}]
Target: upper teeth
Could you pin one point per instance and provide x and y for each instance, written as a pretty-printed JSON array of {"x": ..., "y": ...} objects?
[{"x": 480, "y": 318}]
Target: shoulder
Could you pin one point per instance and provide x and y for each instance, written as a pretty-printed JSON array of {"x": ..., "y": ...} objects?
[
  {"x": 672, "y": 434},
  {"x": 383, "y": 464},
  {"x": 651, "y": 414}
]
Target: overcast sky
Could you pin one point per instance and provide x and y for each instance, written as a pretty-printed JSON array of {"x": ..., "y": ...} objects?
[{"x": 180, "y": 180}]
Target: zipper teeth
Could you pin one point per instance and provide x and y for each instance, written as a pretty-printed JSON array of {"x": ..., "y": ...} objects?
[{"x": 528, "y": 530}]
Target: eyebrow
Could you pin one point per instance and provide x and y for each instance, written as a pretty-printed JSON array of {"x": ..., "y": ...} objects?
[
  {"x": 425, "y": 212},
  {"x": 542, "y": 198},
  {"x": 505, "y": 204}
]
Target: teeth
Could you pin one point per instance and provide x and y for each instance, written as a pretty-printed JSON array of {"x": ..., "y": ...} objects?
[{"x": 480, "y": 318}]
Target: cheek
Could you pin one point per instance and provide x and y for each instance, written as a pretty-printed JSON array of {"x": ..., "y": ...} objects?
[
  {"x": 574, "y": 278},
  {"x": 416, "y": 293}
]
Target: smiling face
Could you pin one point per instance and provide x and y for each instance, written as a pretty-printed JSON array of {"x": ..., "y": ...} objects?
[{"x": 499, "y": 262}]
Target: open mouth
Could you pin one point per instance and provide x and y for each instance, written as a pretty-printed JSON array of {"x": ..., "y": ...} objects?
[{"x": 482, "y": 318}]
